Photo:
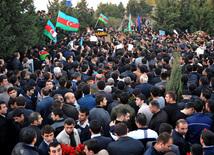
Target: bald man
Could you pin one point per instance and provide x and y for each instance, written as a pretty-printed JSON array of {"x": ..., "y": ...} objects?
[{"x": 69, "y": 108}]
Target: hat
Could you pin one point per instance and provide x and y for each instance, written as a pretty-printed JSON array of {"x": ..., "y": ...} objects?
[
  {"x": 186, "y": 92},
  {"x": 32, "y": 82}
]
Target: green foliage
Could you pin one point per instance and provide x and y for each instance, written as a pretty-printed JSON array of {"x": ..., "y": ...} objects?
[
  {"x": 85, "y": 18},
  {"x": 174, "y": 83},
  {"x": 193, "y": 15},
  {"x": 18, "y": 26},
  {"x": 134, "y": 7},
  {"x": 110, "y": 10}
]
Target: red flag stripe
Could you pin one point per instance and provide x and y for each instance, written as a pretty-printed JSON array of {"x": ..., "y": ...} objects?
[
  {"x": 67, "y": 22},
  {"x": 103, "y": 18},
  {"x": 49, "y": 29}
]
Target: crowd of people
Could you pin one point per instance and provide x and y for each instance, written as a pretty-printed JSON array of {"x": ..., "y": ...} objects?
[{"x": 109, "y": 96}]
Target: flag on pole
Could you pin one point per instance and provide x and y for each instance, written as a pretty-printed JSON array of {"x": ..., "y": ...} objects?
[
  {"x": 50, "y": 31},
  {"x": 120, "y": 28},
  {"x": 129, "y": 26},
  {"x": 138, "y": 22},
  {"x": 103, "y": 18},
  {"x": 67, "y": 22}
]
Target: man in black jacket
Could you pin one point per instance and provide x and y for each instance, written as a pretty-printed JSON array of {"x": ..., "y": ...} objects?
[
  {"x": 27, "y": 146},
  {"x": 179, "y": 136}
]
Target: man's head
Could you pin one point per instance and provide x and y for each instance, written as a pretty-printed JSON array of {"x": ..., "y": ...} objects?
[
  {"x": 12, "y": 92},
  {"x": 3, "y": 108},
  {"x": 123, "y": 115},
  {"x": 95, "y": 126},
  {"x": 57, "y": 113},
  {"x": 21, "y": 101},
  {"x": 120, "y": 129},
  {"x": 62, "y": 82},
  {"x": 101, "y": 100},
  {"x": 35, "y": 119},
  {"x": 154, "y": 106},
  {"x": 69, "y": 125},
  {"x": 55, "y": 148},
  {"x": 140, "y": 99},
  {"x": 171, "y": 97},
  {"x": 91, "y": 147},
  {"x": 58, "y": 97},
  {"x": 124, "y": 97},
  {"x": 47, "y": 133},
  {"x": 198, "y": 106},
  {"x": 154, "y": 91},
  {"x": 164, "y": 142},
  {"x": 165, "y": 127},
  {"x": 205, "y": 95},
  {"x": 181, "y": 126},
  {"x": 210, "y": 105},
  {"x": 207, "y": 138},
  {"x": 86, "y": 89},
  {"x": 143, "y": 78},
  {"x": 196, "y": 149},
  {"x": 83, "y": 114},
  {"x": 189, "y": 108},
  {"x": 3, "y": 80},
  {"x": 29, "y": 90},
  {"x": 141, "y": 120},
  {"x": 70, "y": 97},
  {"x": 49, "y": 84},
  {"x": 29, "y": 136},
  {"x": 45, "y": 92},
  {"x": 18, "y": 115},
  {"x": 101, "y": 85}
]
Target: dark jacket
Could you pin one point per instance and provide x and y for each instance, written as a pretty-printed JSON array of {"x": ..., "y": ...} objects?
[
  {"x": 62, "y": 91},
  {"x": 180, "y": 142},
  {"x": 126, "y": 146},
  {"x": 170, "y": 109},
  {"x": 157, "y": 119},
  {"x": 108, "y": 96},
  {"x": 145, "y": 89},
  {"x": 70, "y": 110},
  {"x": 103, "y": 141},
  {"x": 3, "y": 135},
  {"x": 26, "y": 149}
]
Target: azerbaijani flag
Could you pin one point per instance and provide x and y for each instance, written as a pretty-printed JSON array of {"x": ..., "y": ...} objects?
[
  {"x": 130, "y": 21},
  {"x": 67, "y": 22},
  {"x": 138, "y": 22},
  {"x": 103, "y": 18},
  {"x": 120, "y": 28},
  {"x": 43, "y": 54},
  {"x": 50, "y": 31}
]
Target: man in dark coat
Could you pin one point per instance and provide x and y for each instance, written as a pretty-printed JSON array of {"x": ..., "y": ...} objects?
[
  {"x": 159, "y": 116},
  {"x": 101, "y": 86},
  {"x": 124, "y": 145},
  {"x": 16, "y": 62},
  {"x": 62, "y": 89},
  {"x": 178, "y": 136},
  {"x": 43, "y": 107},
  {"x": 27, "y": 146},
  {"x": 95, "y": 129},
  {"x": 68, "y": 107},
  {"x": 3, "y": 129}
]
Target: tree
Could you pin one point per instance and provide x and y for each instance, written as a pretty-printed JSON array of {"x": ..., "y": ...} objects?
[
  {"x": 18, "y": 26},
  {"x": 174, "y": 83},
  {"x": 134, "y": 7},
  {"x": 82, "y": 5}
]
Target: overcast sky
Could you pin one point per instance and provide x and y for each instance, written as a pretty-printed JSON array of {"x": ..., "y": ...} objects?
[{"x": 42, "y": 4}]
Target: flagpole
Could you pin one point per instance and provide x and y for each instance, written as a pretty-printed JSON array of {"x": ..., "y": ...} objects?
[{"x": 96, "y": 23}]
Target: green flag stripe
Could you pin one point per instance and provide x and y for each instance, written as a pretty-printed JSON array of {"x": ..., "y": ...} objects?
[
  {"x": 102, "y": 20},
  {"x": 48, "y": 34},
  {"x": 64, "y": 27}
]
